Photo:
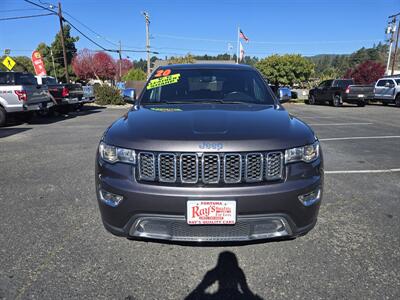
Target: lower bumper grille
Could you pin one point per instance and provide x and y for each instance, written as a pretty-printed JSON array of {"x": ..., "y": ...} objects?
[
  {"x": 176, "y": 229},
  {"x": 210, "y": 168}
]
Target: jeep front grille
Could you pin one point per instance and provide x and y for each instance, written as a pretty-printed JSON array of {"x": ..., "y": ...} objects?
[{"x": 210, "y": 168}]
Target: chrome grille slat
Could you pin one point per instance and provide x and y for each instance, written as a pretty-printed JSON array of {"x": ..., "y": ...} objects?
[
  {"x": 146, "y": 162},
  {"x": 167, "y": 167},
  {"x": 232, "y": 168},
  {"x": 189, "y": 168},
  {"x": 254, "y": 169},
  {"x": 210, "y": 168},
  {"x": 274, "y": 166}
]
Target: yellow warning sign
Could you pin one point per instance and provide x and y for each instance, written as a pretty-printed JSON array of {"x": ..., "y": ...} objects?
[{"x": 9, "y": 63}]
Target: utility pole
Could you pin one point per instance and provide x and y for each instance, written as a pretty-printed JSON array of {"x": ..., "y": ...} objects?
[
  {"x": 147, "y": 19},
  {"x": 63, "y": 42},
  {"x": 237, "y": 46},
  {"x": 54, "y": 66},
  {"x": 390, "y": 29},
  {"x": 396, "y": 47},
  {"x": 120, "y": 61}
]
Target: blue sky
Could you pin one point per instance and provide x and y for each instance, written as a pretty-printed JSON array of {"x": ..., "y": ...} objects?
[{"x": 177, "y": 27}]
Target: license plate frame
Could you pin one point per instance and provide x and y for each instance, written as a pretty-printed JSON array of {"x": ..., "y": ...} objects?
[{"x": 211, "y": 212}]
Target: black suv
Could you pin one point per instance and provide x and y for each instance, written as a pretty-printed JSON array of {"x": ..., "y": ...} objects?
[{"x": 207, "y": 153}]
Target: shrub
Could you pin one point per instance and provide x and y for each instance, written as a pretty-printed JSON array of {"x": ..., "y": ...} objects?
[
  {"x": 106, "y": 94},
  {"x": 135, "y": 74}
]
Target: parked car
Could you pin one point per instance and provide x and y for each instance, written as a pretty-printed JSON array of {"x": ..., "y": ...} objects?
[
  {"x": 338, "y": 91},
  {"x": 66, "y": 95},
  {"x": 208, "y": 154},
  {"x": 387, "y": 90},
  {"x": 21, "y": 95}
]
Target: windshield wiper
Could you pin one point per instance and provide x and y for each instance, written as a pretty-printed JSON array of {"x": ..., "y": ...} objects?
[{"x": 197, "y": 101}]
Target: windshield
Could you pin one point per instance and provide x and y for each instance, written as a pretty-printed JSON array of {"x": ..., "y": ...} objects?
[
  {"x": 206, "y": 85},
  {"x": 25, "y": 79},
  {"x": 49, "y": 80}
]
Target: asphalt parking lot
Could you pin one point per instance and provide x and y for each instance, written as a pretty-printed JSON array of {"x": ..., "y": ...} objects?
[{"x": 54, "y": 246}]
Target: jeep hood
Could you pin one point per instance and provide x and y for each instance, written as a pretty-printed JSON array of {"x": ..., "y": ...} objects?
[{"x": 198, "y": 127}]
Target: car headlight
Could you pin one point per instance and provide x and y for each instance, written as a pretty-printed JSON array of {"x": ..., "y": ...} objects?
[
  {"x": 112, "y": 154},
  {"x": 306, "y": 153}
]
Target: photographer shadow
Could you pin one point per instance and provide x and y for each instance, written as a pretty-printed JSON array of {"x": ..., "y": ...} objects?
[{"x": 231, "y": 280}]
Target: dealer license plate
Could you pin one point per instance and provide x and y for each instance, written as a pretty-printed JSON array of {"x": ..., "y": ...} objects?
[{"x": 211, "y": 212}]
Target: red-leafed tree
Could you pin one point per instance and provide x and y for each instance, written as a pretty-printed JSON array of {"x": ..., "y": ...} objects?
[
  {"x": 104, "y": 66},
  {"x": 367, "y": 72},
  {"x": 82, "y": 64},
  {"x": 126, "y": 65}
]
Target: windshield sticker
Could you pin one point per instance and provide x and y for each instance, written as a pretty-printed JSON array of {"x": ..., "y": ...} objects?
[
  {"x": 165, "y": 109},
  {"x": 161, "y": 73},
  {"x": 157, "y": 82}
]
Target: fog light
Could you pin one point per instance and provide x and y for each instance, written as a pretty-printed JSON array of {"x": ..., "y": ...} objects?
[
  {"x": 311, "y": 197},
  {"x": 110, "y": 199},
  {"x": 269, "y": 228},
  {"x": 151, "y": 228}
]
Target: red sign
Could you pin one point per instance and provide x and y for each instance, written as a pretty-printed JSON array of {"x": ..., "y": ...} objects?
[{"x": 38, "y": 63}]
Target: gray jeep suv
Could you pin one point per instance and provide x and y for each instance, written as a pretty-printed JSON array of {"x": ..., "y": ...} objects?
[{"x": 208, "y": 154}]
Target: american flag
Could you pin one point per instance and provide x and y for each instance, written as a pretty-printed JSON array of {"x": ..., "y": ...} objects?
[{"x": 241, "y": 35}]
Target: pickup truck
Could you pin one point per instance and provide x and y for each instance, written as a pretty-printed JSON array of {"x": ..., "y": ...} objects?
[
  {"x": 338, "y": 91},
  {"x": 387, "y": 90},
  {"x": 20, "y": 95},
  {"x": 66, "y": 95},
  {"x": 207, "y": 153}
]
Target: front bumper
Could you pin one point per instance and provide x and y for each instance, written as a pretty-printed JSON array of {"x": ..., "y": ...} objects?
[{"x": 158, "y": 212}]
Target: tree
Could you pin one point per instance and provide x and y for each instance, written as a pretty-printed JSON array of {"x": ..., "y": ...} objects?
[
  {"x": 22, "y": 64},
  {"x": 104, "y": 66},
  {"x": 367, "y": 72},
  {"x": 57, "y": 49},
  {"x": 100, "y": 65},
  {"x": 82, "y": 64},
  {"x": 135, "y": 74},
  {"x": 126, "y": 65},
  {"x": 187, "y": 59},
  {"x": 286, "y": 69}
]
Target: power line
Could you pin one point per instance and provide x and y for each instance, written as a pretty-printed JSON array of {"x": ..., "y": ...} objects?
[
  {"x": 91, "y": 30},
  {"x": 19, "y": 9},
  {"x": 262, "y": 42},
  {"x": 25, "y": 17},
  {"x": 88, "y": 38},
  {"x": 42, "y": 7}
]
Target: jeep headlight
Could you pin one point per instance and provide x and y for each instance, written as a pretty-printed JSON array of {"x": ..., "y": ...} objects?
[
  {"x": 112, "y": 154},
  {"x": 307, "y": 153}
]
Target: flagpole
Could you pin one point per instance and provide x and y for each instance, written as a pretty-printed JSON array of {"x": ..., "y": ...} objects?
[{"x": 237, "y": 46}]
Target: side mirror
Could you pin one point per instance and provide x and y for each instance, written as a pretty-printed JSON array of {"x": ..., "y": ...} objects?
[
  {"x": 129, "y": 96},
  {"x": 285, "y": 94}
]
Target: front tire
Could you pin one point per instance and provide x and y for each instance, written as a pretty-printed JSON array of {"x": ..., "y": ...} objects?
[
  {"x": 397, "y": 100},
  {"x": 337, "y": 101},
  {"x": 3, "y": 117},
  {"x": 311, "y": 100}
]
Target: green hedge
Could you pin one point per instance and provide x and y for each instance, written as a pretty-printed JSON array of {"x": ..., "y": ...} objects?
[{"x": 106, "y": 94}]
